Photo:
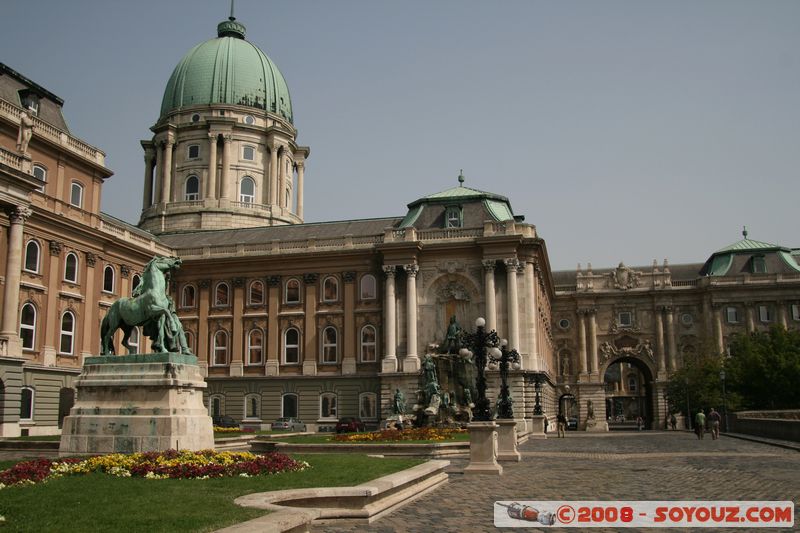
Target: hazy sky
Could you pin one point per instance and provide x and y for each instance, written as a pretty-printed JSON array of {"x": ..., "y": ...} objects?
[{"x": 625, "y": 131}]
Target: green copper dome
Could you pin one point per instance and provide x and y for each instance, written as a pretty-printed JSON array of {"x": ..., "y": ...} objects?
[{"x": 227, "y": 70}]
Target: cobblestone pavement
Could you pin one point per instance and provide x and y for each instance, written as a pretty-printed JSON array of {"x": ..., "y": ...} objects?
[{"x": 609, "y": 466}]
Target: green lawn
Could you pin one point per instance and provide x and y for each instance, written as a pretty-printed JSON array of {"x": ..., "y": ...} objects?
[
  {"x": 328, "y": 439},
  {"x": 99, "y": 502},
  {"x": 39, "y": 437}
]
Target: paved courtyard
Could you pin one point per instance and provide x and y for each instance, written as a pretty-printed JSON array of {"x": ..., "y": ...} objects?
[{"x": 611, "y": 466}]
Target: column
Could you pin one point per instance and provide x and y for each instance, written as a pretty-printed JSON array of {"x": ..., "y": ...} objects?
[
  {"x": 513, "y": 303},
  {"x": 668, "y": 311},
  {"x": 659, "y": 318},
  {"x": 147, "y": 197},
  {"x": 593, "y": 340},
  {"x": 274, "y": 333},
  {"x": 491, "y": 301},
  {"x": 411, "y": 362},
  {"x": 282, "y": 181},
  {"x": 10, "y": 322},
  {"x": 224, "y": 183},
  {"x": 158, "y": 166},
  {"x": 783, "y": 318},
  {"x": 750, "y": 317},
  {"x": 532, "y": 284},
  {"x": 91, "y": 335},
  {"x": 273, "y": 175},
  {"x": 582, "y": 367},
  {"x": 237, "y": 331},
  {"x": 300, "y": 170},
  {"x": 166, "y": 170},
  {"x": 349, "y": 345},
  {"x": 203, "y": 340},
  {"x": 310, "y": 346},
  {"x": 52, "y": 325},
  {"x": 718, "y": 310},
  {"x": 211, "y": 179},
  {"x": 389, "y": 361}
]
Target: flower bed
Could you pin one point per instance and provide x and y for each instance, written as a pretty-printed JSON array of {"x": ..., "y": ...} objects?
[
  {"x": 393, "y": 435},
  {"x": 218, "y": 429},
  {"x": 183, "y": 464}
]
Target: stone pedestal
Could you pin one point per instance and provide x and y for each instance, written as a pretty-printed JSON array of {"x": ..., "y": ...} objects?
[
  {"x": 138, "y": 403},
  {"x": 507, "y": 440},
  {"x": 596, "y": 425},
  {"x": 483, "y": 449},
  {"x": 537, "y": 427}
]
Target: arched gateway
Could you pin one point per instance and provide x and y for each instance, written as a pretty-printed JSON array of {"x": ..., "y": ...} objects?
[{"x": 629, "y": 377}]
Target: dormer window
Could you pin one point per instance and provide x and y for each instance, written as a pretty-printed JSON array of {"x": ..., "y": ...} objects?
[
  {"x": 29, "y": 101},
  {"x": 453, "y": 217},
  {"x": 758, "y": 264}
]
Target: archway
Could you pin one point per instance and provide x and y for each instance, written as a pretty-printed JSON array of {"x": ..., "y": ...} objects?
[{"x": 629, "y": 393}]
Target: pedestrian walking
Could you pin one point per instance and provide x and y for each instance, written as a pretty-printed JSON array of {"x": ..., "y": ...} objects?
[
  {"x": 562, "y": 425},
  {"x": 639, "y": 423},
  {"x": 673, "y": 422},
  {"x": 714, "y": 419},
  {"x": 700, "y": 424}
]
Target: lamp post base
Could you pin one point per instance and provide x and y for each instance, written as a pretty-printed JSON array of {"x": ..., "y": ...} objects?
[
  {"x": 507, "y": 440},
  {"x": 483, "y": 449}
]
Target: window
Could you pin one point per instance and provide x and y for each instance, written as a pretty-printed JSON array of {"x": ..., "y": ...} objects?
[
  {"x": 32, "y": 256},
  {"x": 330, "y": 289},
  {"x": 327, "y": 405},
  {"x": 255, "y": 295},
  {"x": 795, "y": 311},
  {"x": 764, "y": 313},
  {"x": 40, "y": 173},
  {"x": 67, "y": 333},
  {"x": 188, "y": 296},
  {"x": 76, "y": 194},
  {"x": 247, "y": 191},
  {"x": 731, "y": 315},
  {"x": 133, "y": 340},
  {"x": 632, "y": 383},
  {"x": 71, "y": 268},
  {"x": 108, "y": 279},
  {"x": 220, "y": 348},
  {"x": 255, "y": 347},
  {"x": 194, "y": 151},
  {"x": 687, "y": 319},
  {"x": 368, "y": 287},
  {"x": 192, "y": 189},
  {"x": 215, "y": 406},
  {"x": 292, "y": 295},
  {"x": 249, "y": 120},
  {"x": 289, "y": 405},
  {"x": 368, "y": 406},
  {"x": 248, "y": 153},
  {"x": 26, "y": 404},
  {"x": 564, "y": 323},
  {"x": 330, "y": 348},
  {"x": 625, "y": 319},
  {"x": 368, "y": 344},
  {"x": 291, "y": 346},
  {"x": 135, "y": 282},
  {"x": 29, "y": 101},
  {"x": 221, "y": 294},
  {"x": 453, "y": 217},
  {"x": 758, "y": 264},
  {"x": 27, "y": 326},
  {"x": 196, "y": 117},
  {"x": 251, "y": 406}
]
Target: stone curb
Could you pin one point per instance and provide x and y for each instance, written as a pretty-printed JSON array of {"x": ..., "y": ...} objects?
[
  {"x": 761, "y": 440},
  {"x": 294, "y": 510}
]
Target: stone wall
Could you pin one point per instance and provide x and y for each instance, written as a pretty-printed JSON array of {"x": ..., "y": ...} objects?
[{"x": 783, "y": 425}]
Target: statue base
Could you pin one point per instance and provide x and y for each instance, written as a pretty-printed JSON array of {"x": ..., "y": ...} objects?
[
  {"x": 594, "y": 426},
  {"x": 507, "y": 440},
  {"x": 138, "y": 403},
  {"x": 537, "y": 427},
  {"x": 483, "y": 449}
]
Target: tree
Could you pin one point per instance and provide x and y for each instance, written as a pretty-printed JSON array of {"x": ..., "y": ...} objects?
[
  {"x": 698, "y": 383},
  {"x": 764, "y": 369}
]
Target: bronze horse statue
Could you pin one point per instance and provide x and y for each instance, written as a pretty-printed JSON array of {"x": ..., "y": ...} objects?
[{"x": 150, "y": 306}]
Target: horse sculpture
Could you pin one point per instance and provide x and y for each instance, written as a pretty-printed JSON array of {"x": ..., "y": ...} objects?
[{"x": 151, "y": 307}]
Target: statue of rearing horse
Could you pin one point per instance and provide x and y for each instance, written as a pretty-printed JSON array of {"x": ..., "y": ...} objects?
[{"x": 151, "y": 306}]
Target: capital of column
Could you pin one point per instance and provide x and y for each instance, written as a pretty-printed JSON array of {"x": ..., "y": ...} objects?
[
  {"x": 300, "y": 165},
  {"x": 204, "y": 283},
  {"x": 411, "y": 270},
  {"x": 213, "y": 135},
  {"x": 149, "y": 155},
  {"x": 125, "y": 271},
  {"x": 238, "y": 282},
  {"x": 273, "y": 281},
  {"x": 310, "y": 278},
  {"x": 91, "y": 259},
  {"x": 665, "y": 309},
  {"x": 227, "y": 138},
  {"x": 19, "y": 214},
  {"x": 389, "y": 270},
  {"x": 167, "y": 142},
  {"x": 489, "y": 265},
  {"x": 55, "y": 248},
  {"x": 349, "y": 277},
  {"x": 511, "y": 263}
]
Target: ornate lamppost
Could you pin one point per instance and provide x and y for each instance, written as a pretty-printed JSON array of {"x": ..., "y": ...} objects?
[
  {"x": 480, "y": 342},
  {"x": 503, "y": 357},
  {"x": 724, "y": 403}
]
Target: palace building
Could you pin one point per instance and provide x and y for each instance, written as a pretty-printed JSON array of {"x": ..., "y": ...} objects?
[{"x": 324, "y": 320}]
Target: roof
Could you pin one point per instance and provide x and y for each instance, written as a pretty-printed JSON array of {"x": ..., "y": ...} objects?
[
  {"x": 458, "y": 193},
  {"x": 227, "y": 70},
  {"x": 748, "y": 245}
]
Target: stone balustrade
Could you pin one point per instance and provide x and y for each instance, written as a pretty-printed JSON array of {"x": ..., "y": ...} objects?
[{"x": 15, "y": 161}]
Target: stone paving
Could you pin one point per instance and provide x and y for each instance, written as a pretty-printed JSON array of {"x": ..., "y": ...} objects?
[{"x": 610, "y": 466}]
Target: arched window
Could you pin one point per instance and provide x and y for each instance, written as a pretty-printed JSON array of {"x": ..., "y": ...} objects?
[
  {"x": 76, "y": 194},
  {"x": 368, "y": 337},
  {"x": 215, "y": 406},
  {"x": 255, "y": 347},
  {"x": 368, "y": 406},
  {"x": 289, "y": 405},
  {"x": 133, "y": 340},
  {"x": 330, "y": 289},
  {"x": 192, "y": 189},
  {"x": 368, "y": 287},
  {"x": 222, "y": 294},
  {"x": 255, "y": 296},
  {"x": 26, "y": 404},
  {"x": 291, "y": 346},
  {"x": 220, "y": 348},
  {"x": 252, "y": 404},
  {"x": 108, "y": 279},
  {"x": 32, "y": 256},
  {"x": 40, "y": 173},
  {"x": 330, "y": 346},
  {"x": 135, "y": 281},
  {"x": 327, "y": 405},
  {"x": 71, "y": 268},
  {"x": 247, "y": 191},
  {"x": 188, "y": 296},
  {"x": 292, "y": 294},
  {"x": 27, "y": 326},
  {"x": 67, "y": 333}
]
